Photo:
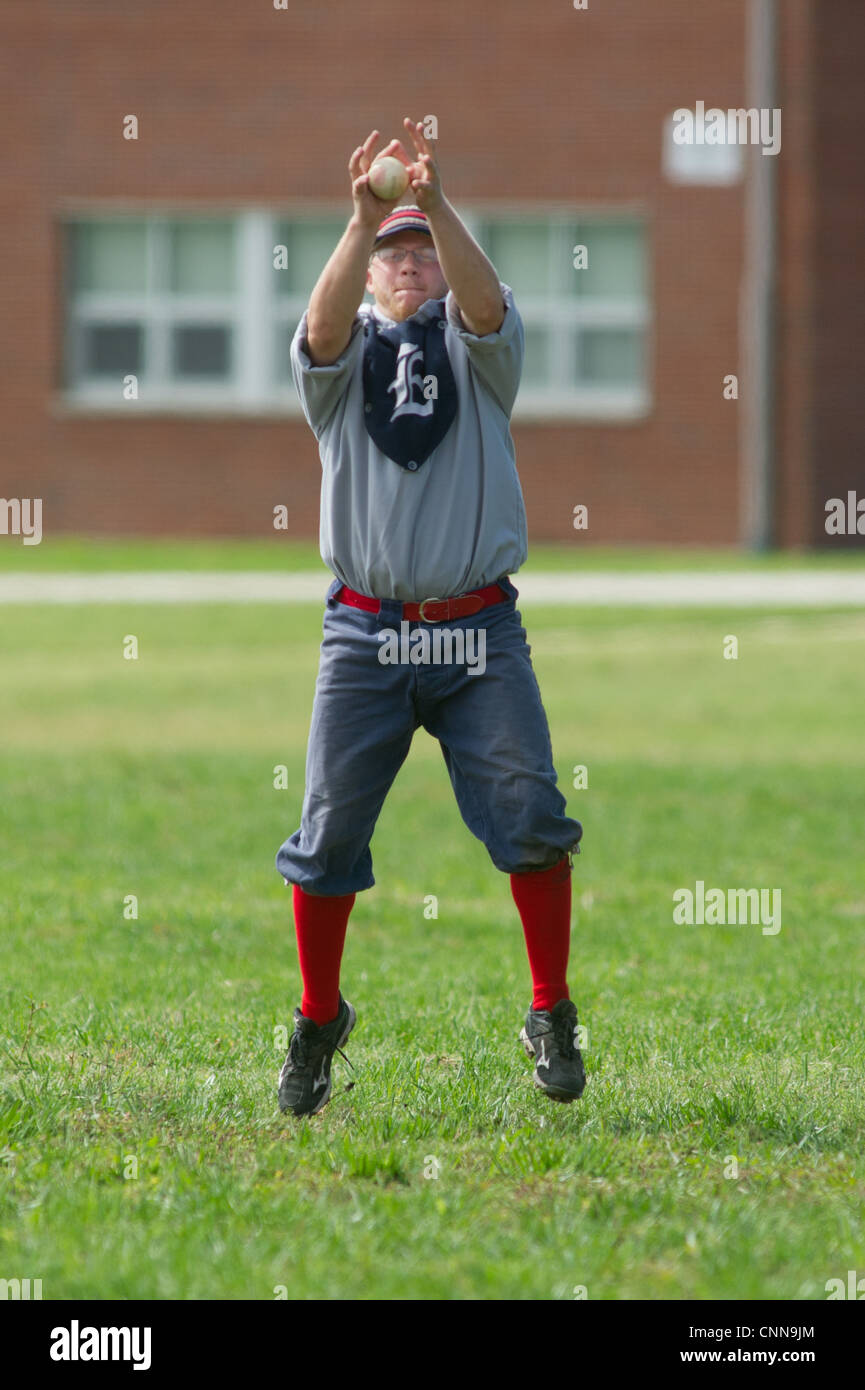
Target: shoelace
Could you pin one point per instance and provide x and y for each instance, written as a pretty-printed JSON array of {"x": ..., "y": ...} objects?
[
  {"x": 563, "y": 1032},
  {"x": 299, "y": 1050}
]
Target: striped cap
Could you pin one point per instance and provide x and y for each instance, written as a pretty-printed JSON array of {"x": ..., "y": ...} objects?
[{"x": 407, "y": 219}]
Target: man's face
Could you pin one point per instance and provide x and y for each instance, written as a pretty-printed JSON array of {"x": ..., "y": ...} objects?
[{"x": 399, "y": 290}]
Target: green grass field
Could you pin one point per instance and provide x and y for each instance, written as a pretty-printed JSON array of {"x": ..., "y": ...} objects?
[
  {"x": 94, "y": 554},
  {"x": 142, "y": 1154}
]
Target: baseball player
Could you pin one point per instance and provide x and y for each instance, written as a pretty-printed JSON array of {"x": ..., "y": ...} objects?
[{"x": 422, "y": 523}]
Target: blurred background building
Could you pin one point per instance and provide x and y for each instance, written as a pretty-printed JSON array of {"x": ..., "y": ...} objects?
[{"x": 184, "y": 257}]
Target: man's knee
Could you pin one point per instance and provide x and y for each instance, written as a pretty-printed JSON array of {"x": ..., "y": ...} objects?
[{"x": 325, "y": 871}]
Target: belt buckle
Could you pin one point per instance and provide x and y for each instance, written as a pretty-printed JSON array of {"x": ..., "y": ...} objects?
[{"x": 422, "y": 605}]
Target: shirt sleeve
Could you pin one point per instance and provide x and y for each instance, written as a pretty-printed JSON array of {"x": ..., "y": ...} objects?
[
  {"x": 496, "y": 358},
  {"x": 320, "y": 388}
]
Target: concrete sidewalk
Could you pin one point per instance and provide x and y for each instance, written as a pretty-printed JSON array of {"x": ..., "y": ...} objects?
[{"x": 684, "y": 589}]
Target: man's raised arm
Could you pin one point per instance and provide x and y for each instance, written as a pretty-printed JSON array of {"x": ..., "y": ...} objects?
[
  {"x": 340, "y": 287},
  {"x": 469, "y": 273},
  {"x": 337, "y": 294}
]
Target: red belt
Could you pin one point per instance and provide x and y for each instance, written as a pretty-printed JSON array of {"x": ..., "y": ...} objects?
[{"x": 431, "y": 610}]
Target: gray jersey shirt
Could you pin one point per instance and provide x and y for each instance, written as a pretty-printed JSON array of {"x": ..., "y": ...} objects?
[{"x": 459, "y": 521}]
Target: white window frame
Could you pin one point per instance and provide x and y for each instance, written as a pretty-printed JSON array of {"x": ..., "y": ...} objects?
[
  {"x": 255, "y": 314},
  {"x": 559, "y": 317},
  {"x": 248, "y": 387}
]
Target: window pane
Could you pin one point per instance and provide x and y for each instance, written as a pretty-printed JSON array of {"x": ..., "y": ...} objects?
[
  {"x": 616, "y": 260},
  {"x": 520, "y": 252},
  {"x": 112, "y": 349},
  {"x": 535, "y": 371},
  {"x": 610, "y": 356},
  {"x": 309, "y": 246},
  {"x": 109, "y": 256},
  {"x": 201, "y": 350},
  {"x": 202, "y": 257}
]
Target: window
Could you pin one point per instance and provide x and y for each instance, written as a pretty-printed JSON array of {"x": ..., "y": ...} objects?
[
  {"x": 200, "y": 309},
  {"x": 157, "y": 299},
  {"x": 586, "y": 328}
]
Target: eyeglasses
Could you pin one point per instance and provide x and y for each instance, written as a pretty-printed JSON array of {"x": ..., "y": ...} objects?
[{"x": 394, "y": 255}]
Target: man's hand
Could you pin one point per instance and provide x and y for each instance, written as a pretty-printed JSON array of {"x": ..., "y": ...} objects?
[
  {"x": 368, "y": 209},
  {"x": 424, "y": 177},
  {"x": 423, "y": 174}
]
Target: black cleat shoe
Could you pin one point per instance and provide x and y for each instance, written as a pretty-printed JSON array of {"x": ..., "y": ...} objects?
[
  {"x": 305, "y": 1080},
  {"x": 550, "y": 1036}
]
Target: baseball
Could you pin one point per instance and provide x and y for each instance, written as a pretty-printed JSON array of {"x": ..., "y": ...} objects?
[{"x": 388, "y": 178}]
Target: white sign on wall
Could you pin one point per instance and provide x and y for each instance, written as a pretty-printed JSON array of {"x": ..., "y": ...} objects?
[{"x": 698, "y": 161}]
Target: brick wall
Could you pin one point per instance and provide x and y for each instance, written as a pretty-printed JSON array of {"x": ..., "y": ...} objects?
[{"x": 535, "y": 103}]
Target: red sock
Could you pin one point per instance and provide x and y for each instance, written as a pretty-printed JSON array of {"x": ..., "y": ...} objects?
[
  {"x": 544, "y": 903},
  {"x": 320, "y": 925}
]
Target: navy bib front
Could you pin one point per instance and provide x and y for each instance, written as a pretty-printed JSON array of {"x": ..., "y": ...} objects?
[{"x": 403, "y": 419}]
